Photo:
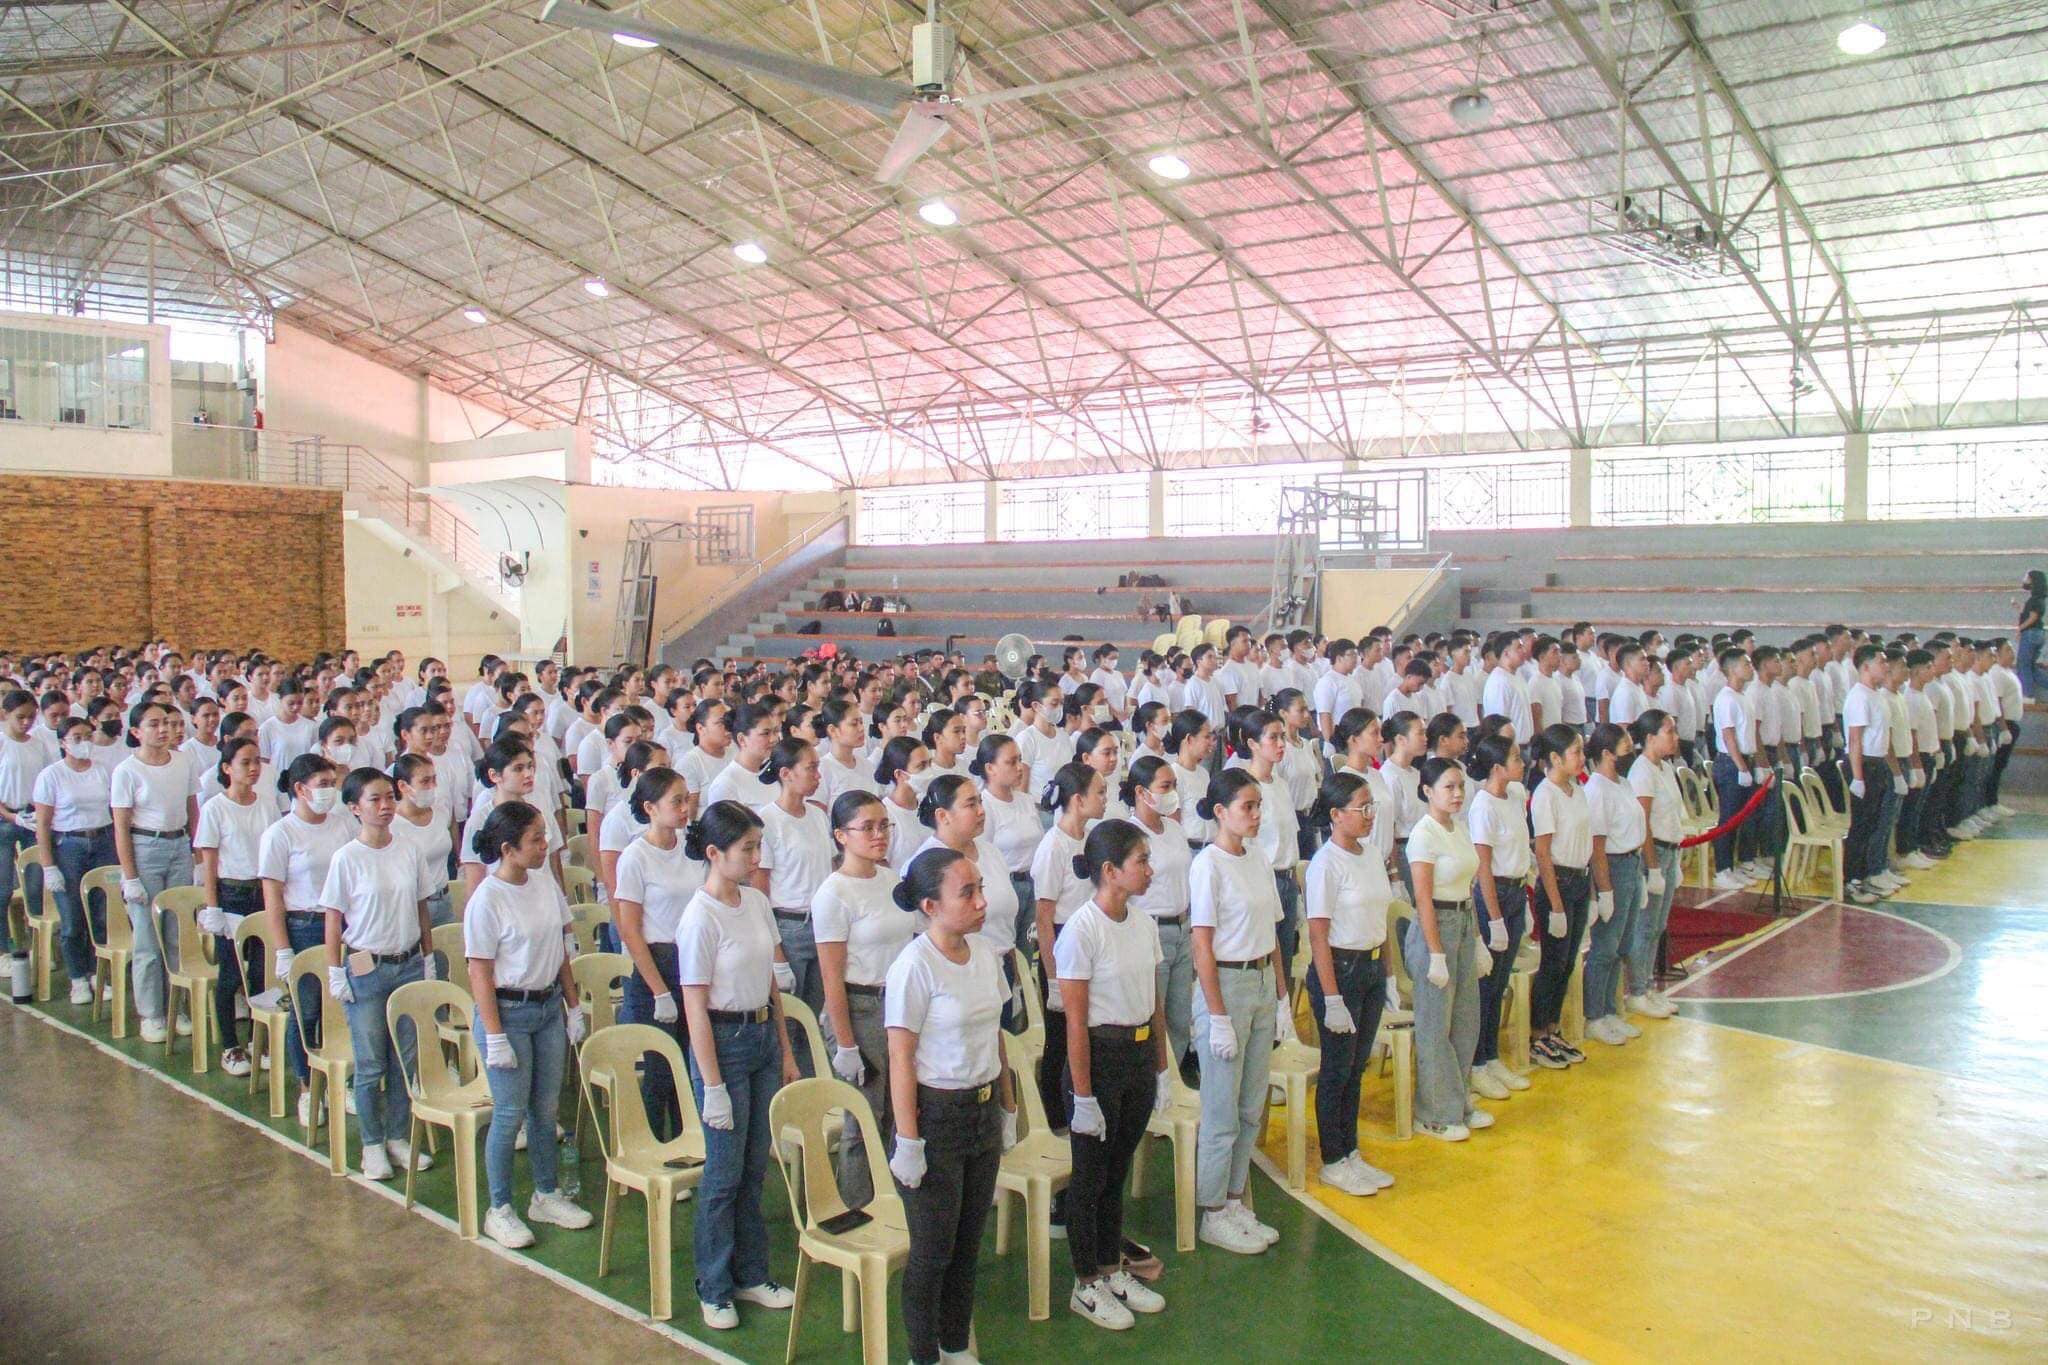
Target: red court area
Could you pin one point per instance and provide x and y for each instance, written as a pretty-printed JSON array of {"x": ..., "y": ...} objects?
[
  {"x": 1693, "y": 930},
  {"x": 1836, "y": 950}
]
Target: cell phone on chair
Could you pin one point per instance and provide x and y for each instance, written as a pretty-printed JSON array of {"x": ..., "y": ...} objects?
[{"x": 846, "y": 1222}]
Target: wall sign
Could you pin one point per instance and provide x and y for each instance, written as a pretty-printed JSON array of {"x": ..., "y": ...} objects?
[
  {"x": 593, "y": 581},
  {"x": 409, "y": 611}
]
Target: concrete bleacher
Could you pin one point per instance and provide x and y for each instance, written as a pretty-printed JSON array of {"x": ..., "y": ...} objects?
[{"x": 973, "y": 595}]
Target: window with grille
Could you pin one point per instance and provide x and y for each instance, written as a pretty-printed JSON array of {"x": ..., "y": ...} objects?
[
  {"x": 929, "y": 514},
  {"x": 1108, "y": 508}
]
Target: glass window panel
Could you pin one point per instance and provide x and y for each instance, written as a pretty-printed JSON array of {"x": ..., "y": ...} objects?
[
  {"x": 1107, "y": 508},
  {"x": 930, "y": 514}
]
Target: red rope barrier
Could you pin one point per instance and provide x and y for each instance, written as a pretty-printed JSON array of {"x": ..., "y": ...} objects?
[{"x": 1749, "y": 808}]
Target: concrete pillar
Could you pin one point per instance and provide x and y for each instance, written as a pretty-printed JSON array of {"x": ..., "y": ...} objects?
[
  {"x": 1856, "y": 476},
  {"x": 1579, "y": 484},
  {"x": 992, "y": 512},
  {"x": 1155, "y": 503}
]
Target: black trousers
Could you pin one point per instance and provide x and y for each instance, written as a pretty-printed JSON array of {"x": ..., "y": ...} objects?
[
  {"x": 1052, "y": 1062},
  {"x": 2002, "y": 757},
  {"x": 1124, "y": 1076},
  {"x": 237, "y": 898},
  {"x": 963, "y": 1146},
  {"x": 1361, "y": 983},
  {"x": 1554, "y": 972}
]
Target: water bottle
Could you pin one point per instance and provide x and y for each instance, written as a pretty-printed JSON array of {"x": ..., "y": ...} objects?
[{"x": 22, "y": 985}]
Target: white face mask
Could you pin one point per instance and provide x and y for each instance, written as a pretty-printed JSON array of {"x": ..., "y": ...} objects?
[
  {"x": 1166, "y": 803},
  {"x": 343, "y": 753},
  {"x": 322, "y": 799},
  {"x": 78, "y": 748}
]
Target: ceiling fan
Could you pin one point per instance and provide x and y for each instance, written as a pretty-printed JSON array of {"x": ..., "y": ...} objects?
[{"x": 934, "y": 52}]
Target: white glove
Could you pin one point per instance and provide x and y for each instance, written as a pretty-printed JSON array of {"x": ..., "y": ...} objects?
[
  {"x": 1915, "y": 778},
  {"x": 1162, "y": 1093},
  {"x": 338, "y": 987},
  {"x": 848, "y": 1066},
  {"x": 1439, "y": 970},
  {"x": 1497, "y": 935},
  {"x": 1761, "y": 773},
  {"x": 1482, "y": 963},
  {"x": 211, "y": 920},
  {"x": 1557, "y": 924},
  {"x": 907, "y": 1165},
  {"x": 1743, "y": 779},
  {"x": 53, "y": 878},
  {"x": 576, "y": 1025},
  {"x": 1856, "y": 789},
  {"x": 1283, "y": 1024},
  {"x": 1009, "y": 1129},
  {"x": 1977, "y": 749},
  {"x": 785, "y": 978},
  {"x": 717, "y": 1114},
  {"x": 1654, "y": 882},
  {"x": 1899, "y": 784},
  {"x": 1222, "y": 1037},
  {"x": 1088, "y": 1119},
  {"x": 133, "y": 891},
  {"x": 1337, "y": 1015},
  {"x": 1603, "y": 906},
  {"x": 429, "y": 969},
  {"x": 664, "y": 1008},
  {"x": 281, "y": 965},
  {"x": 1940, "y": 762},
  {"x": 498, "y": 1052}
]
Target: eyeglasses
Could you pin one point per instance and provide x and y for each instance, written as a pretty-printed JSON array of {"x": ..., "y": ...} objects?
[{"x": 868, "y": 827}]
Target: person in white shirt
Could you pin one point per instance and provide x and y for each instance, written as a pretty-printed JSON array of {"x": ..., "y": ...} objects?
[
  {"x": 1233, "y": 909},
  {"x": 293, "y": 860},
  {"x": 74, "y": 834},
  {"x": 1151, "y": 792},
  {"x": 23, "y": 756},
  {"x": 796, "y": 857},
  {"x": 1445, "y": 959},
  {"x": 950, "y": 1097},
  {"x": 952, "y": 810},
  {"x": 1011, "y": 820},
  {"x": 1866, "y": 727},
  {"x": 228, "y": 841},
  {"x": 1204, "y": 692},
  {"x": 1653, "y": 780},
  {"x": 1626, "y": 699},
  {"x": 1407, "y": 744},
  {"x": 289, "y": 732},
  {"x": 1347, "y": 896},
  {"x": 739, "y": 1056},
  {"x": 1561, "y": 826},
  {"x": 1506, "y": 694},
  {"x": 654, "y": 880},
  {"x": 1117, "y": 1071},
  {"x": 2011, "y": 700},
  {"x": 1917, "y": 839},
  {"x": 1260, "y": 740},
  {"x": 1545, "y": 687},
  {"x": 1045, "y": 746},
  {"x": 155, "y": 800},
  {"x": 1620, "y": 833},
  {"x": 1738, "y": 766},
  {"x": 1572, "y": 693},
  {"x": 376, "y": 906},
  {"x": 1074, "y": 799},
  {"x": 1337, "y": 691},
  {"x": 1497, "y": 819},
  {"x": 515, "y": 939},
  {"x": 841, "y": 768},
  {"x": 1238, "y": 676},
  {"x": 1115, "y": 692},
  {"x": 424, "y": 823},
  {"x": 507, "y": 773}
]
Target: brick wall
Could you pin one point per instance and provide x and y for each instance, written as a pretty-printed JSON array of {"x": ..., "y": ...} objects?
[{"x": 206, "y": 565}]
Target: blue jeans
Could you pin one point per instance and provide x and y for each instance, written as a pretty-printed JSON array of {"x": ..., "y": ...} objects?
[
  {"x": 78, "y": 854},
  {"x": 2030, "y": 654},
  {"x": 1642, "y": 947},
  {"x": 383, "y": 1105},
  {"x": 159, "y": 863},
  {"x": 730, "y": 1239},
  {"x": 530, "y": 1091},
  {"x": 800, "y": 946},
  {"x": 1446, "y": 1017},
  {"x": 1733, "y": 796},
  {"x": 1611, "y": 936},
  {"x": 442, "y": 907},
  {"x": 13, "y": 838},
  {"x": 1493, "y": 987},
  {"x": 303, "y": 930},
  {"x": 1288, "y": 930},
  {"x": 657, "y": 1085}
]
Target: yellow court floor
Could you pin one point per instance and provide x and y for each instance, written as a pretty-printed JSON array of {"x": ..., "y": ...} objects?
[
  {"x": 1710, "y": 1194},
  {"x": 2007, "y": 873}
]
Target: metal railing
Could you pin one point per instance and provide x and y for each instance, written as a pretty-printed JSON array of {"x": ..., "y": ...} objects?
[
  {"x": 753, "y": 573},
  {"x": 1426, "y": 585}
]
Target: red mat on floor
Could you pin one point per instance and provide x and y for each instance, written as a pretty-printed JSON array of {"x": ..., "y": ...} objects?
[{"x": 1693, "y": 930}]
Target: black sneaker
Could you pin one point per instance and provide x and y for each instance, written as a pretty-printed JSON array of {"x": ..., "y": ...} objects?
[
  {"x": 1570, "y": 1053},
  {"x": 1139, "y": 1260},
  {"x": 1544, "y": 1054}
]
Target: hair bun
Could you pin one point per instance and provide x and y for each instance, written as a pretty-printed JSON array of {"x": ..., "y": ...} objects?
[
  {"x": 694, "y": 846},
  {"x": 1206, "y": 808},
  {"x": 900, "y": 893},
  {"x": 1081, "y": 868},
  {"x": 928, "y": 807}
]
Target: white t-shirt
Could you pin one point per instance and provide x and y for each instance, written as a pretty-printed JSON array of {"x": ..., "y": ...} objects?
[
  {"x": 155, "y": 797},
  {"x": 593, "y": 751},
  {"x": 906, "y": 833},
  {"x": 297, "y": 855},
  {"x": 954, "y": 1008},
  {"x": 1013, "y": 827},
  {"x": 1732, "y": 712},
  {"x": 432, "y": 842},
  {"x": 1572, "y": 703},
  {"x": 735, "y": 783},
  {"x": 283, "y": 741},
  {"x": 1278, "y": 824},
  {"x": 1548, "y": 693},
  {"x": 1625, "y": 702},
  {"x": 1449, "y": 850},
  {"x": 730, "y": 948},
  {"x": 1350, "y": 890},
  {"x": 1044, "y": 754},
  {"x": 797, "y": 852},
  {"x": 1617, "y": 815},
  {"x": 378, "y": 891},
  {"x": 1658, "y": 782},
  {"x": 518, "y": 930},
  {"x": 1053, "y": 878},
  {"x": 1193, "y": 785},
  {"x": 662, "y": 882},
  {"x": 999, "y": 924},
  {"x": 480, "y": 815},
  {"x": 1337, "y": 693},
  {"x": 1405, "y": 783},
  {"x": 861, "y": 912},
  {"x": 1566, "y": 817},
  {"x": 1500, "y": 823},
  {"x": 1116, "y": 958},
  {"x": 1863, "y": 707},
  {"x": 1167, "y": 896},
  {"x": 617, "y": 831},
  {"x": 236, "y": 831},
  {"x": 700, "y": 769},
  {"x": 1237, "y": 897},
  {"x": 1507, "y": 695},
  {"x": 835, "y": 779},
  {"x": 77, "y": 800}
]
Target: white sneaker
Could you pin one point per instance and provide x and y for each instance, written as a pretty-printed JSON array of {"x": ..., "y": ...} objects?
[
  {"x": 1962, "y": 833},
  {"x": 1249, "y": 1221},
  {"x": 1344, "y": 1175},
  {"x": 564, "y": 1212},
  {"x": 184, "y": 1026},
  {"x": 81, "y": 992},
  {"x": 502, "y": 1226},
  {"x": 400, "y": 1151},
  {"x": 2003, "y": 811},
  {"x": 1445, "y": 1132},
  {"x": 376, "y": 1162},
  {"x": 1507, "y": 1075},
  {"x": 348, "y": 1100},
  {"x": 1664, "y": 1002},
  {"x": 1731, "y": 880},
  {"x": 305, "y": 1109},
  {"x": 1219, "y": 1229},
  {"x": 1602, "y": 1030},
  {"x": 1475, "y": 1117},
  {"x": 722, "y": 1316},
  {"x": 1372, "y": 1172},
  {"x": 1861, "y": 894},
  {"x": 235, "y": 1061},
  {"x": 1918, "y": 861},
  {"x": 1134, "y": 1294},
  {"x": 1487, "y": 1085},
  {"x": 152, "y": 1030},
  {"x": 1641, "y": 1004},
  {"x": 1624, "y": 1027},
  {"x": 766, "y": 1294},
  {"x": 1095, "y": 1303},
  {"x": 519, "y": 1143}
]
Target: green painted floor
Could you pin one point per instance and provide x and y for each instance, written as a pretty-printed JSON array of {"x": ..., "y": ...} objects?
[{"x": 1317, "y": 1295}]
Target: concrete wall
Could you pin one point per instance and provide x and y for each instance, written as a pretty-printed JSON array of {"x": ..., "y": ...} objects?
[{"x": 401, "y": 601}]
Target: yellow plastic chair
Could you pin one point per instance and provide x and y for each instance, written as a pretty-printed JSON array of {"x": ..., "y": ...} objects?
[
  {"x": 1295, "y": 1067},
  {"x": 458, "y": 897},
  {"x": 1187, "y": 632},
  {"x": 1034, "y": 1006},
  {"x": 1163, "y": 642},
  {"x": 600, "y": 981},
  {"x": 1214, "y": 631},
  {"x": 194, "y": 973},
  {"x": 579, "y": 884},
  {"x": 38, "y": 905},
  {"x": 1698, "y": 816},
  {"x": 1819, "y": 804},
  {"x": 440, "y": 1095},
  {"x": 575, "y": 821},
  {"x": 267, "y": 1025},
  {"x": 113, "y": 950},
  {"x": 1039, "y": 1166},
  {"x": 806, "y": 1020},
  {"x": 1397, "y": 1026},
  {"x": 327, "y": 1065},
  {"x": 576, "y": 852},
  {"x": 634, "y": 1159},
  {"x": 864, "y": 1254},
  {"x": 453, "y": 1032},
  {"x": 1803, "y": 847},
  {"x": 1178, "y": 1124},
  {"x": 583, "y": 928}
]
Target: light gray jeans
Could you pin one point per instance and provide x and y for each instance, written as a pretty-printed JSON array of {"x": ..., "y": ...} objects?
[
  {"x": 159, "y": 864},
  {"x": 1446, "y": 1017},
  {"x": 1656, "y": 913},
  {"x": 872, "y": 1038},
  {"x": 1609, "y": 938},
  {"x": 1233, "y": 1092},
  {"x": 1175, "y": 980}
]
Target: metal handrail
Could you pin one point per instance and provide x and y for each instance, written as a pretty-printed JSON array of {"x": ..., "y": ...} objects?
[
  {"x": 753, "y": 572},
  {"x": 1427, "y": 582}
]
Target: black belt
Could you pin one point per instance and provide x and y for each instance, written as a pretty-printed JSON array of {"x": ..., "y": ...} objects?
[
  {"x": 526, "y": 997},
  {"x": 1575, "y": 871},
  {"x": 141, "y": 833},
  {"x": 394, "y": 959},
  {"x": 857, "y": 988},
  {"x": 1254, "y": 965},
  {"x": 1360, "y": 954},
  {"x": 93, "y": 833},
  {"x": 318, "y": 916},
  {"x": 1452, "y": 905},
  {"x": 242, "y": 883},
  {"x": 1121, "y": 1033},
  {"x": 976, "y": 1095},
  {"x": 759, "y": 1016},
  {"x": 1663, "y": 846},
  {"x": 798, "y": 916}
]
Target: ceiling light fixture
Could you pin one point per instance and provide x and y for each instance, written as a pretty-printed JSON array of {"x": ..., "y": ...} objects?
[
  {"x": 597, "y": 288},
  {"x": 1472, "y": 109},
  {"x": 938, "y": 213},
  {"x": 1167, "y": 166},
  {"x": 1860, "y": 39},
  {"x": 750, "y": 251},
  {"x": 476, "y": 317},
  {"x": 634, "y": 40}
]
